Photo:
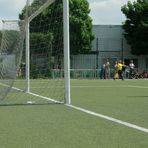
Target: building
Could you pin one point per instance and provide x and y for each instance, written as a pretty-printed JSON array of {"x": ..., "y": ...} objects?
[{"x": 110, "y": 44}]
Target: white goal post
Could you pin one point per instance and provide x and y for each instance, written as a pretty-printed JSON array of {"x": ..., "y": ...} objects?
[
  {"x": 66, "y": 46},
  {"x": 66, "y": 50}
]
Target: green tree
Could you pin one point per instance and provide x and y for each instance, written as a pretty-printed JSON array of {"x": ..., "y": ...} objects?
[
  {"x": 81, "y": 36},
  {"x": 13, "y": 45},
  {"x": 0, "y": 37},
  {"x": 136, "y": 26},
  {"x": 45, "y": 50}
]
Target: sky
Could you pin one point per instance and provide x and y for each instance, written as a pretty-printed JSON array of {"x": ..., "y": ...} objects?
[
  {"x": 107, "y": 11},
  {"x": 102, "y": 11}
]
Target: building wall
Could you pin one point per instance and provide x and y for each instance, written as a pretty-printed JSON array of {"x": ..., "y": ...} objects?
[
  {"x": 83, "y": 61},
  {"x": 110, "y": 38},
  {"x": 110, "y": 44}
]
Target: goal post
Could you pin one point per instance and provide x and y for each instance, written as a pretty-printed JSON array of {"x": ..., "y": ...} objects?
[
  {"x": 66, "y": 50},
  {"x": 44, "y": 71},
  {"x": 27, "y": 57}
]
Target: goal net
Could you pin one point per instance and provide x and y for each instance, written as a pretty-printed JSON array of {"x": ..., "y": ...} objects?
[{"x": 32, "y": 55}]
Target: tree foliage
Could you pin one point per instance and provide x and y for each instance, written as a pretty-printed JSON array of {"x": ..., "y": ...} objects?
[
  {"x": 44, "y": 40},
  {"x": 47, "y": 30},
  {"x": 10, "y": 46},
  {"x": 0, "y": 37},
  {"x": 80, "y": 27},
  {"x": 136, "y": 26},
  {"x": 81, "y": 36}
]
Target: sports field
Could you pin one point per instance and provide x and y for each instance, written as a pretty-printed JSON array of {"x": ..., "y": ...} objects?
[{"x": 103, "y": 114}]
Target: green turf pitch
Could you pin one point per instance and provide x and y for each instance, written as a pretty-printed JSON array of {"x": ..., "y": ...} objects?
[{"x": 59, "y": 126}]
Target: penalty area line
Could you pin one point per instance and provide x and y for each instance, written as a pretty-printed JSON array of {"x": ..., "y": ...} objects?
[{"x": 109, "y": 118}]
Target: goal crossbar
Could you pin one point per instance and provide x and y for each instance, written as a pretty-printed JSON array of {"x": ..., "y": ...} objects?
[{"x": 36, "y": 13}]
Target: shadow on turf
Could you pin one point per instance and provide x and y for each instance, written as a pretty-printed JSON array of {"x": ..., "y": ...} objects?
[{"x": 138, "y": 96}]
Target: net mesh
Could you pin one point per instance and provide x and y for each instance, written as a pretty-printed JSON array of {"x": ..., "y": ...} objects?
[
  {"x": 10, "y": 54},
  {"x": 46, "y": 74}
]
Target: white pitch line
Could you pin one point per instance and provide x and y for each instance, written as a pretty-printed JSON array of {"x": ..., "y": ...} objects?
[
  {"x": 45, "y": 97},
  {"x": 33, "y": 94},
  {"x": 95, "y": 86},
  {"x": 109, "y": 86},
  {"x": 110, "y": 118}
]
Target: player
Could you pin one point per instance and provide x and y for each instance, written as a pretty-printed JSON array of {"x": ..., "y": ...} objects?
[
  {"x": 120, "y": 70},
  {"x": 116, "y": 76}
]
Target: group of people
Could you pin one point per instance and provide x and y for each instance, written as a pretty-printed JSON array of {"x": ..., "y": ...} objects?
[{"x": 119, "y": 70}]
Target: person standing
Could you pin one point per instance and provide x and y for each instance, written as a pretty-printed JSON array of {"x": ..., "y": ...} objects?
[
  {"x": 102, "y": 72},
  {"x": 107, "y": 70},
  {"x": 120, "y": 70},
  {"x": 132, "y": 68},
  {"x": 123, "y": 70},
  {"x": 116, "y": 76}
]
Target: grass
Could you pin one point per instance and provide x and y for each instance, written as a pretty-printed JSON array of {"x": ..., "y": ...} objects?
[
  {"x": 58, "y": 126},
  {"x": 125, "y": 100}
]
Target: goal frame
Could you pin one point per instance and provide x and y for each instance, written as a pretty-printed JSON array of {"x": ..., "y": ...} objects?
[{"x": 66, "y": 47}]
